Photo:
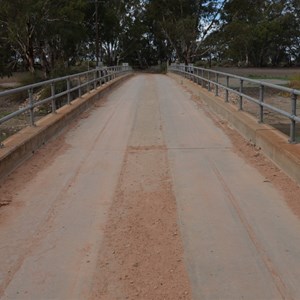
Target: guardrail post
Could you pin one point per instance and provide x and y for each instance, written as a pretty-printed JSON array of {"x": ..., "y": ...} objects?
[
  {"x": 292, "y": 139},
  {"x": 79, "y": 87},
  {"x": 261, "y": 100},
  {"x": 68, "y": 89},
  {"x": 208, "y": 83},
  {"x": 53, "y": 98},
  {"x": 104, "y": 77},
  {"x": 241, "y": 97},
  {"x": 226, "y": 92},
  {"x": 87, "y": 82},
  {"x": 95, "y": 78},
  {"x": 217, "y": 85},
  {"x": 31, "y": 111},
  {"x": 202, "y": 78},
  {"x": 101, "y": 77},
  {"x": 54, "y": 95}
]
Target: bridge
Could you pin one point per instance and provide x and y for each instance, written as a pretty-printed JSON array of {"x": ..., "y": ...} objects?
[{"x": 150, "y": 186}]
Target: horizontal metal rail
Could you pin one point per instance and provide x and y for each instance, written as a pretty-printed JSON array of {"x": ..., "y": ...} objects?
[
  {"x": 198, "y": 75},
  {"x": 72, "y": 83}
]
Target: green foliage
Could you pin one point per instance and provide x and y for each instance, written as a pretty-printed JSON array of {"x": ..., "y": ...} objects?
[
  {"x": 5, "y": 53},
  {"x": 55, "y": 36},
  {"x": 181, "y": 24},
  {"x": 260, "y": 33},
  {"x": 42, "y": 32},
  {"x": 4, "y": 63},
  {"x": 295, "y": 82}
]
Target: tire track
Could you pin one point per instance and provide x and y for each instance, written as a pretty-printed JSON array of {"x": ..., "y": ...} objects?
[{"x": 276, "y": 277}]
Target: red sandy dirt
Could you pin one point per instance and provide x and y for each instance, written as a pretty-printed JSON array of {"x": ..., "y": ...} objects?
[
  {"x": 142, "y": 252},
  {"x": 142, "y": 255},
  {"x": 254, "y": 156},
  {"x": 42, "y": 158},
  {"x": 29, "y": 169}
]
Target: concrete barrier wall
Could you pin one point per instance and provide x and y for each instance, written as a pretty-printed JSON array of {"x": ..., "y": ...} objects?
[
  {"x": 23, "y": 144},
  {"x": 273, "y": 143}
]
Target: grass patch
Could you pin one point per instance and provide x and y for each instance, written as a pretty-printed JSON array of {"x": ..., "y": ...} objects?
[
  {"x": 30, "y": 78},
  {"x": 4, "y": 114},
  {"x": 295, "y": 82}
]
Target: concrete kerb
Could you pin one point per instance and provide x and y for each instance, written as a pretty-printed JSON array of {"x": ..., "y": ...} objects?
[
  {"x": 273, "y": 143},
  {"x": 23, "y": 144}
]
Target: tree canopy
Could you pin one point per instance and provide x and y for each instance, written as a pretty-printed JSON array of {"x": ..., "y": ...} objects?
[
  {"x": 46, "y": 34},
  {"x": 261, "y": 33}
]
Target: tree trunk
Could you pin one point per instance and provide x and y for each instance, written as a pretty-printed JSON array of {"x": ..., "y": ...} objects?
[
  {"x": 29, "y": 55},
  {"x": 44, "y": 63},
  {"x": 247, "y": 59},
  {"x": 30, "y": 61}
]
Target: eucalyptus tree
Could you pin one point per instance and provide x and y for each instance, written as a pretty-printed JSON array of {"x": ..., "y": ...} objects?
[
  {"x": 42, "y": 31},
  {"x": 260, "y": 32},
  {"x": 122, "y": 30},
  {"x": 293, "y": 8},
  {"x": 184, "y": 24},
  {"x": 119, "y": 26}
]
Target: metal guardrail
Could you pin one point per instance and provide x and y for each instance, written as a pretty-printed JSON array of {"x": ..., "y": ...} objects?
[
  {"x": 80, "y": 82},
  {"x": 208, "y": 77}
]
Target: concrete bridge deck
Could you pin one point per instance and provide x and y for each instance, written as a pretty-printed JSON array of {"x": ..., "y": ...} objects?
[{"x": 144, "y": 197}]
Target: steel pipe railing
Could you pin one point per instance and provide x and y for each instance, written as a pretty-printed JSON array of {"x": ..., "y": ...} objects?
[
  {"x": 213, "y": 78},
  {"x": 76, "y": 82}
]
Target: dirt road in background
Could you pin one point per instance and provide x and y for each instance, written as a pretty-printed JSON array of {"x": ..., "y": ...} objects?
[
  {"x": 262, "y": 72},
  {"x": 145, "y": 198}
]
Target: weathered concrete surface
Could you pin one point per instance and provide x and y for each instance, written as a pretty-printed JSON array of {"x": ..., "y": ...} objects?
[
  {"x": 273, "y": 143},
  {"x": 240, "y": 239},
  {"x": 51, "y": 234},
  {"x": 22, "y": 145}
]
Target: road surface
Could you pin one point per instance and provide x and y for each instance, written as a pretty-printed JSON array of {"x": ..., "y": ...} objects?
[{"x": 146, "y": 199}]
